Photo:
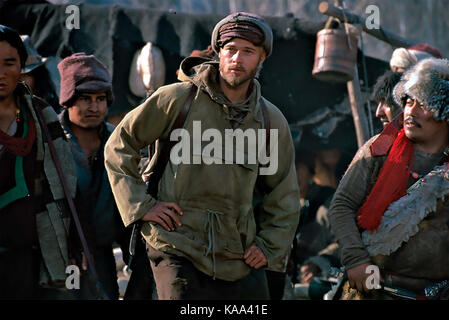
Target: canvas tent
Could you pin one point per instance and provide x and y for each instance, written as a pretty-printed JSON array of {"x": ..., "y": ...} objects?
[{"x": 319, "y": 111}]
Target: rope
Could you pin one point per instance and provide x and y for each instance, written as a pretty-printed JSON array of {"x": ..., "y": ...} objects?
[
  {"x": 210, "y": 225},
  {"x": 348, "y": 40}
]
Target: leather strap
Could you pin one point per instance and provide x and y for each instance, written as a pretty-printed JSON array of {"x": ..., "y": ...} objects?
[
  {"x": 266, "y": 120},
  {"x": 164, "y": 156}
]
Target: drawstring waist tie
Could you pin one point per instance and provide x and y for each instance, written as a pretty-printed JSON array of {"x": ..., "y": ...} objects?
[{"x": 213, "y": 218}]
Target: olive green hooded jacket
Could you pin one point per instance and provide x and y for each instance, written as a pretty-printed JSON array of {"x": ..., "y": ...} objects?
[{"x": 218, "y": 221}]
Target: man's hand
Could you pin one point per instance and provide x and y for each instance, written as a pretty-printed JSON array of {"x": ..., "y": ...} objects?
[
  {"x": 357, "y": 277},
  {"x": 254, "y": 257},
  {"x": 164, "y": 214}
]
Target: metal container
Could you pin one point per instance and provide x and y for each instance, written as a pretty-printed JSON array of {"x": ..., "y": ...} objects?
[{"x": 334, "y": 58}]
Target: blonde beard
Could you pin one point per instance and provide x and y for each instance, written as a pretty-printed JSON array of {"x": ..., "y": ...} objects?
[{"x": 236, "y": 82}]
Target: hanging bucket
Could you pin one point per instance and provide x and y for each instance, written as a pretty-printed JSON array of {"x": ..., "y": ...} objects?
[{"x": 334, "y": 58}]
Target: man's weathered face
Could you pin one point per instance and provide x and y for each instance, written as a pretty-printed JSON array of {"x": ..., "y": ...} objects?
[
  {"x": 239, "y": 61},
  {"x": 419, "y": 124},
  {"x": 9, "y": 69},
  {"x": 89, "y": 110},
  {"x": 384, "y": 113}
]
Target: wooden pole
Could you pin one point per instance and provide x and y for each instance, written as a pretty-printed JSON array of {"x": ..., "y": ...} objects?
[
  {"x": 355, "y": 95},
  {"x": 354, "y": 92},
  {"x": 381, "y": 34},
  {"x": 358, "y": 112}
]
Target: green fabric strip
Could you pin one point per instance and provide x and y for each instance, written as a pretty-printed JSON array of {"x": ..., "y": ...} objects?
[{"x": 21, "y": 189}]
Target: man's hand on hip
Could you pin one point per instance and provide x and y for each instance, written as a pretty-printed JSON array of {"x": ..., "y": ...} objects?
[
  {"x": 254, "y": 257},
  {"x": 165, "y": 214}
]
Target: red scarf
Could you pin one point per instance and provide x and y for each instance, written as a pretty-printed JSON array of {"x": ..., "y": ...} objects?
[
  {"x": 19, "y": 146},
  {"x": 391, "y": 183}
]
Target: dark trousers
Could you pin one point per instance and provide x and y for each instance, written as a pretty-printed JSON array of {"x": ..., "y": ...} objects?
[
  {"x": 177, "y": 279},
  {"x": 276, "y": 284}
]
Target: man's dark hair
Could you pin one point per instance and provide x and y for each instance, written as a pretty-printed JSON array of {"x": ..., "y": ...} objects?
[
  {"x": 383, "y": 89},
  {"x": 13, "y": 38}
]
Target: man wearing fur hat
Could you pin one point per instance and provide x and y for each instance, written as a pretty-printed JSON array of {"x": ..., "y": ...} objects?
[
  {"x": 391, "y": 208},
  {"x": 204, "y": 240},
  {"x": 86, "y": 94}
]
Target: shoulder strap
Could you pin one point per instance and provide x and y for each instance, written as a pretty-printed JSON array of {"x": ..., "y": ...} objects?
[
  {"x": 266, "y": 120},
  {"x": 164, "y": 156},
  {"x": 159, "y": 167}
]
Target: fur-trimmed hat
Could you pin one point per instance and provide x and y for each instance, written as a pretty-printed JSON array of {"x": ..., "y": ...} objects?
[
  {"x": 428, "y": 82},
  {"x": 244, "y": 17}
]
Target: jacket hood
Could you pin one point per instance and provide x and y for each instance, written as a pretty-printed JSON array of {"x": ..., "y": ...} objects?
[{"x": 191, "y": 66}]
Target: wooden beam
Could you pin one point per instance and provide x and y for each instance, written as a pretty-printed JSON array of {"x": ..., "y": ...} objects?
[
  {"x": 358, "y": 112},
  {"x": 381, "y": 34}
]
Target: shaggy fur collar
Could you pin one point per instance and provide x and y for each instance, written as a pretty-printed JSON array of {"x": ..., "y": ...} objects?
[{"x": 401, "y": 220}]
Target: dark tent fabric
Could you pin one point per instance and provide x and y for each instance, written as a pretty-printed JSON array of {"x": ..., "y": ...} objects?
[{"x": 115, "y": 33}]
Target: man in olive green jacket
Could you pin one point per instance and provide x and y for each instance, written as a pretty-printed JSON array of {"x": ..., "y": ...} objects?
[{"x": 204, "y": 240}]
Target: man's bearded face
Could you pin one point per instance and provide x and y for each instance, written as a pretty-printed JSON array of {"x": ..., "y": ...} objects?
[{"x": 240, "y": 61}]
